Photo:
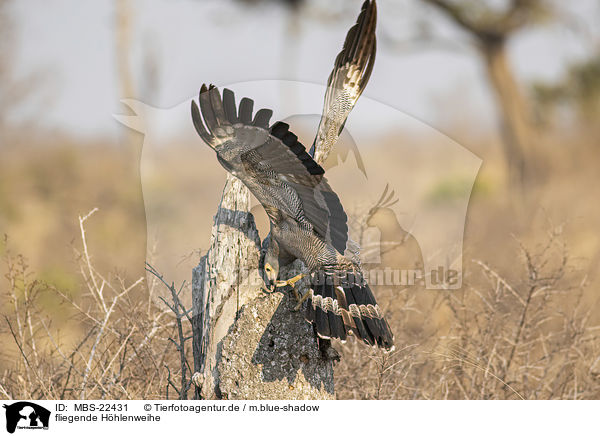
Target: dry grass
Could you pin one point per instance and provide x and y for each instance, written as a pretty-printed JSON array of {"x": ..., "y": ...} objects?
[
  {"x": 524, "y": 325},
  {"x": 529, "y": 339},
  {"x": 113, "y": 341}
]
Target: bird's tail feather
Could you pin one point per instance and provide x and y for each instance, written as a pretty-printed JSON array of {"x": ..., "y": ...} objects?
[{"x": 344, "y": 306}]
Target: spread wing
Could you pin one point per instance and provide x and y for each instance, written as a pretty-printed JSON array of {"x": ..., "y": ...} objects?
[
  {"x": 271, "y": 162},
  {"x": 347, "y": 81}
]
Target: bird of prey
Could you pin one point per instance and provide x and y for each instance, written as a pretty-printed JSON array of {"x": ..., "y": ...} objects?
[{"x": 307, "y": 220}]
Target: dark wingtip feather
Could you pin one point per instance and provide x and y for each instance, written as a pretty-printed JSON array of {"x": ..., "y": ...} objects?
[
  {"x": 199, "y": 125},
  {"x": 262, "y": 117},
  {"x": 217, "y": 106},
  {"x": 281, "y": 131},
  {"x": 291, "y": 140},
  {"x": 229, "y": 105},
  {"x": 296, "y": 147},
  {"x": 245, "y": 112},
  {"x": 206, "y": 108}
]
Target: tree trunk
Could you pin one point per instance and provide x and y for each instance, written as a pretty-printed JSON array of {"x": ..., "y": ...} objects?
[
  {"x": 123, "y": 31},
  {"x": 517, "y": 132},
  {"x": 247, "y": 343},
  {"x": 130, "y": 139}
]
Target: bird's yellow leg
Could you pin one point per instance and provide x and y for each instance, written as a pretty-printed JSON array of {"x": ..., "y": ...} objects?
[
  {"x": 301, "y": 300},
  {"x": 290, "y": 282}
]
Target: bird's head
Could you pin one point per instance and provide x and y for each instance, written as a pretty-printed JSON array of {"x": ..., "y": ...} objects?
[
  {"x": 272, "y": 272},
  {"x": 271, "y": 269},
  {"x": 271, "y": 263}
]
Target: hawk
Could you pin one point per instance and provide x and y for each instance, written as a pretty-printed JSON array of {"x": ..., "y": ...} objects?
[{"x": 307, "y": 219}]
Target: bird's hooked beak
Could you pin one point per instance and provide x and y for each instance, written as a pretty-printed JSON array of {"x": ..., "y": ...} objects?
[
  {"x": 269, "y": 284},
  {"x": 271, "y": 276}
]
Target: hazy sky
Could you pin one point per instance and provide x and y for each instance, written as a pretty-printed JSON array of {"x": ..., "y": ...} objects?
[{"x": 70, "y": 46}]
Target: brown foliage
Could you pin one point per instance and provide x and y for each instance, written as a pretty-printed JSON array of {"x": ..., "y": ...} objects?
[
  {"x": 114, "y": 344},
  {"x": 530, "y": 338}
]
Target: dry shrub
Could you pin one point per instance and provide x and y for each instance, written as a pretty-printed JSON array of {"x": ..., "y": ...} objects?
[
  {"x": 520, "y": 333},
  {"x": 531, "y": 339},
  {"x": 114, "y": 343}
]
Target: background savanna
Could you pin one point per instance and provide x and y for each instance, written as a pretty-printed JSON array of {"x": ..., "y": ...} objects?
[{"x": 516, "y": 82}]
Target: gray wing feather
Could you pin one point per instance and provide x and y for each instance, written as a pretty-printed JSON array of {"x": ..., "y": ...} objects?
[
  {"x": 272, "y": 163},
  {"x": 351, "y": 72}
]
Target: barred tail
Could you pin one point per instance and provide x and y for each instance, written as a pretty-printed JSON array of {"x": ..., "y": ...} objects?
[{"x": 339, "y": 308}]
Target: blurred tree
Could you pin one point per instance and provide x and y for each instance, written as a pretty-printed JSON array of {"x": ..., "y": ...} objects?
[
  {"x": 578, "y": 90},
  {"x": 294, "y": 4},
  {"x": 128, "y": 86},
  {"x": 123, "y": 30},
  {"x": 491, "y": 24},
  {"x": 5, "y": 46},
  {"x": 12, "y": 89},
  {"x": 295, "y": 10}
]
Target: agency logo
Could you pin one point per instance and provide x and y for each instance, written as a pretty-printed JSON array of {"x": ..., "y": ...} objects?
[
  {"x": 404, "y": 186},
  {"x": 27, "y": 416}
]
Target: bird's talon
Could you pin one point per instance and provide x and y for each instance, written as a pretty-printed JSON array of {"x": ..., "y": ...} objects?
[
  {"x": 289, "y": 282},
  {"x": 300, "y": 301}
]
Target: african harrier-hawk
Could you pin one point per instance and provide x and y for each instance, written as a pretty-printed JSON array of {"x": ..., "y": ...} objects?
[{"x": 307, "y": 220}]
